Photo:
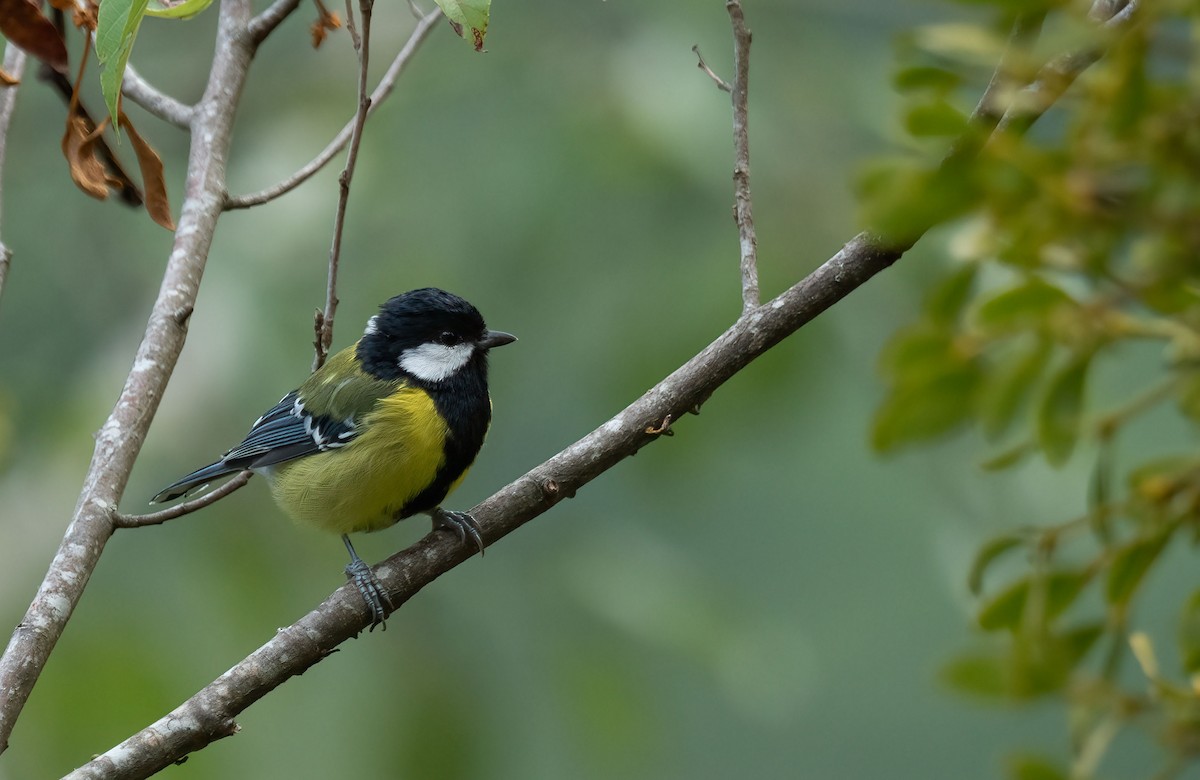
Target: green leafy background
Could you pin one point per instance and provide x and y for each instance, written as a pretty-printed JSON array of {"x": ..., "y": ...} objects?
[{"x": 758, "y": 596}]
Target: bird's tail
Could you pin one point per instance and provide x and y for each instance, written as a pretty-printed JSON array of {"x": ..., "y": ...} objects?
[{"x": 196, "y": 479}]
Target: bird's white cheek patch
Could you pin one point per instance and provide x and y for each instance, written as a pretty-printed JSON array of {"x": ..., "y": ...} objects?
[{"x": 435, "y": 362}]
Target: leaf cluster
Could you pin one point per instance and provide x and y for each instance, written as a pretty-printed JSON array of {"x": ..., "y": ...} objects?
[{"x": 1070, "y": 242}]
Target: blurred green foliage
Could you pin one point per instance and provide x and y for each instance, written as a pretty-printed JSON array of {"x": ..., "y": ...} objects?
[{"x": 1079, "y": 241}]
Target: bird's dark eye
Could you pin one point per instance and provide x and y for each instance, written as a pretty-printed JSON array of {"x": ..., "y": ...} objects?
[{"x": 449, "y": 339}]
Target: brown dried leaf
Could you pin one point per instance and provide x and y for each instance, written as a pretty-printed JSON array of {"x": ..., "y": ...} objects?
[
  {"x": 157, "y": 204},
  {"x": 22, "y": 22},
  {"x": 79, "y": 147},
  {"x": 326, "y": 20}
]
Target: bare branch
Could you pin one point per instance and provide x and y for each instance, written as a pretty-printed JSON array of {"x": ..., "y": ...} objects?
[
  {"x": 120, "y": 438},
  {"x": 362, "y": 45},
  {"x": 14, "y": 66},
  {"x": 385, "y": 87},
  {"x": 157, "y": 103},
  {"x": 186, "y": 508},
  {"x": 743, "y": 204},
  {"x": 265, "y": 23},
  {"x": 721, "y": 83}
]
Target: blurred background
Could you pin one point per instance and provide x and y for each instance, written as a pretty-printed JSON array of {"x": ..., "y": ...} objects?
[{"x": 758, "y": 596}]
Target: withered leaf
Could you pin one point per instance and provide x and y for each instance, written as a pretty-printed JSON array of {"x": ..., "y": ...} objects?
[
  {"x": 22, "y": 22},
  {"x": 157, "y": 204},
  {"x": 79, "y": 147}
]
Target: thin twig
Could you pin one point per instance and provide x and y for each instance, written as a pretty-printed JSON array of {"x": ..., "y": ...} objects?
[
  {"x": 187, "y": 507},
  {"x": 154, "y": 101},
  {"x": 743, "y": 210},
  {"x": 362, "y": 45},
  {"x": 721, "y": 83},
  {"x": 14, "y": 66},
  {"x": 385, "y": 87},
  {"x": 265, "y": 23}
]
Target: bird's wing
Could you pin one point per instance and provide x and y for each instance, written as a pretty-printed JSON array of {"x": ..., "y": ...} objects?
[
  {"x": 289, "y": 430},
  {"x": 292, "y": 428}
]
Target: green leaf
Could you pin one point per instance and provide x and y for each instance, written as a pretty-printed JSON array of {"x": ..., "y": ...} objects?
[
  {"x": 1006, "y": 609},
  {"x": 923, "y": 77},
  {"x": 1024, "y": 766},
  {"x": 920, "y": 410},
  {"x": 116, "y": 28},
  {"x": 1189, "y": 397},
  {"x": 947, "y": 300},
  {"x": 978, "y": 673},
  {"x": 1007, "y": 458},
  {"x": 987, "y": 555},
  {"x": 1060, "y": 414},
  {"x": 185, "y": 9},
  {"x": 902, "y": 198},
  {"x": 1025, "y": 307},
  {"x": 934, "y": 118},
  {"x": 469, "y": 18},
  {"x": 1129, "y": 565},
  {"x": 1009, "y": 387},
  {"x": 915, "y": 351},
  {"x": 1189, "y": 634}
]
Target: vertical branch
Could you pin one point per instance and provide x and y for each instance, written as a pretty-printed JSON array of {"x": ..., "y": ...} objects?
[
  {"x": 14, "y": 66},
  {"x": 120, "y": 439},
  {"x": 743, "y": 212},
  {"x": 362, "y": 45}
]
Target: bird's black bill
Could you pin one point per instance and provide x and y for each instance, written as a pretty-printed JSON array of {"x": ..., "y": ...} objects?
[{"x": 496, "y": 338}]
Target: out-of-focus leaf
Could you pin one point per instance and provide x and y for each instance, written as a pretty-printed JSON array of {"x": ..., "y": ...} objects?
[
  {"x": 87, "y": 171},
  {"x": 1024, "y": 307},
  {"x": 1156, "y": 481},
  {"x": 116, "y": 29},
  {"x": 982, "y": 674},
  {"x": 917, "y": 352},
  {"x": 1060, "y": 414},
  {"x": 157, "y": 204},
  {"x": 1129, "y": 565},
  {"x": 469, "y": 18},
  {"x": 934, "y": 118},
  {"x": 948, "y": 299},
  {"x": 183, "y": 9},
  {"x": 1189, "y": 634},
  {"x": 1009, "y": 387},
  {"x": 1007, "y": 458},
  {"x": 22, "y": 22},
  {"x": 1188, "y": 397},
  {"x": 1024, "y": 766},
  {"x": 917, "y": 411},
  {"x": 987, "y": 555},
  {"x": 924, "y": 77},
  {"x": 902, "y": 198},
  {"x": 1006, "y": 609}
]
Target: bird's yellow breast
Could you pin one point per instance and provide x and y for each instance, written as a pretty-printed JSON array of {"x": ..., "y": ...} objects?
[{"x": 361, "y": 487}]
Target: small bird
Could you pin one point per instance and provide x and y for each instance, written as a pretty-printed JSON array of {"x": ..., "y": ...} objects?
[{"x": 384, "y": 430}]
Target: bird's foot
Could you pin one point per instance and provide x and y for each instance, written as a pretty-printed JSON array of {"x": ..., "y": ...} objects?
[
  {"x": 369, "y": 587},
  {"x": 461, "y": 523}
]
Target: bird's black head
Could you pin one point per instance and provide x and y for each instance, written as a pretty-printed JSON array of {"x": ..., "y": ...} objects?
[{"x": 427, "y": 335}]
